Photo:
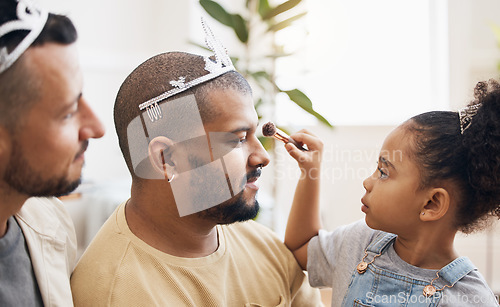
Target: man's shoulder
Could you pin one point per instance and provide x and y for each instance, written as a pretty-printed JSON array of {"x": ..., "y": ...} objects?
[
  {"x": 252, "y": 229},
  {"x": 42, "y": 204},
  {"x": 251, "y": 234},
  {"x": 45, "y": 215},
  {"x": 50, "y": 235},
  {"x": 93, "y": 279},
  {"x": 267, "y": 250},
  {"x": 108, "y": 241}
]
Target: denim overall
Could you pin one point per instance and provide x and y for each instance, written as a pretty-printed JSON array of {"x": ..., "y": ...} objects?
[{"x": 381, "y": 287}]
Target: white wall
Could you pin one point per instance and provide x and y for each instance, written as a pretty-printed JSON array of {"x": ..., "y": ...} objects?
[
  {"x": 115, "y": 36},
  {"x": 474, "y": 53}
]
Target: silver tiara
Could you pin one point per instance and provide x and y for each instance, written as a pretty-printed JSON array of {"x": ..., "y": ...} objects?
[
  {"x": 466, "y": 115},
  {"x": 221, "y": 65},
  {"x": 29, "y": 18}
]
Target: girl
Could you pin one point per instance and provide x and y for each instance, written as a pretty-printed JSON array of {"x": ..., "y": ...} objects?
[{"x": 438, "y": 173}]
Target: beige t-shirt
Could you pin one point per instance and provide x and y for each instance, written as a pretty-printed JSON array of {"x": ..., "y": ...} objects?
[{"x": 251, "y": 267}]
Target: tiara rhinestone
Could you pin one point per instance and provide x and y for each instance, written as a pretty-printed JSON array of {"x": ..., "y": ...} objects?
[
  {"x": 466, "y": 115},
  {"x": 29, "y": 18},
  {"x": 221, "y": 65}
]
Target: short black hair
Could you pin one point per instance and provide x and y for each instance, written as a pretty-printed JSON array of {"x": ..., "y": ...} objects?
[{"x": 18, "y": 90}]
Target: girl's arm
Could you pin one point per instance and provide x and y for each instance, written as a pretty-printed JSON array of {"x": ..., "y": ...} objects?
[{"x": 304, "y": 220}]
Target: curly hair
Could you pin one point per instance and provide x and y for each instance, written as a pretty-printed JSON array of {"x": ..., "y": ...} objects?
[{"x": 470, "y": 160}]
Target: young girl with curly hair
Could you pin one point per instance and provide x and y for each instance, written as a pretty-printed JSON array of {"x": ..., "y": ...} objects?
[{"x": 438, "y": 173}]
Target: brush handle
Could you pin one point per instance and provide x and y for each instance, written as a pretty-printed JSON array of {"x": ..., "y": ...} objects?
[{"x": 281, "y": 136}]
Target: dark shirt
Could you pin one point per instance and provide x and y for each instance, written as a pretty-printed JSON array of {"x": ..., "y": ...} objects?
[{"x": 18, "y": 285}]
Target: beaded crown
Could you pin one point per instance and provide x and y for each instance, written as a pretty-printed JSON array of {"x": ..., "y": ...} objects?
[
  {"x": 466, "y": 114},
  {"x": 30, "y": 18},
  {"x": 221, "y": 65}
]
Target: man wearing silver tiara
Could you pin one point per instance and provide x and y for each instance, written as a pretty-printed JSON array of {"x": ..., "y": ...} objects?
[
  {"x": 45, "y": 124},
  {"x": 187, "y": 125}
]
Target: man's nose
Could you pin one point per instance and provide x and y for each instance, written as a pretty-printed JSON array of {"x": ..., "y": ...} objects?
[{"x": 91, "y": 126}]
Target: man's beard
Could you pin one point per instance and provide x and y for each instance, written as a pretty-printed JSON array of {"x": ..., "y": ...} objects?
[
  {"x": 231, "y": 211},
  {"x": 236, "y": 209},
  {"x": 21, "y": 177}
]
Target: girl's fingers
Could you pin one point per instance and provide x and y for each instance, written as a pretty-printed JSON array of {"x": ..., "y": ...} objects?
[
  {"x": 306, "y": 137},
  {"x": 296, "y": 153}
]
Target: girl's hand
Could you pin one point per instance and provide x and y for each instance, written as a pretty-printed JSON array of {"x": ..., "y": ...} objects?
[
  {"x": 304, "y": 221},
  {"x": 310, "y": 159}
]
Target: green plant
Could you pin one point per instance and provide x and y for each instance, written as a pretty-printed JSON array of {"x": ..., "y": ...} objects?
[{"x": 255, "y": 29}]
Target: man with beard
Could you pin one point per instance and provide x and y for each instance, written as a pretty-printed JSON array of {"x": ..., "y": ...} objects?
[
  {"x": 45, "y": 124},
  {"x": 186, "y": 125}
]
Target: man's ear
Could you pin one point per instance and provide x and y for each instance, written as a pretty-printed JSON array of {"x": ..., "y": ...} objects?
[
  {"x": 438, "y": 204},
  {"x": 160, "y": 151}
]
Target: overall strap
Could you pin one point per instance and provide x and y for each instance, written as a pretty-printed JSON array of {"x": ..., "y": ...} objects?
[
  {"x": 456, "y": 270},
  {"x": 381, "y": 242}
]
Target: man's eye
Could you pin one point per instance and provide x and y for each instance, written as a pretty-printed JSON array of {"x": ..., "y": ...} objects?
[
  {"x": 69, "y": 115},
  {"x": 72, "y": 111}
]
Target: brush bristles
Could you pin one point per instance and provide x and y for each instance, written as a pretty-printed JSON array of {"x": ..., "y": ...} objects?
[{"x": 269, "y": 129}]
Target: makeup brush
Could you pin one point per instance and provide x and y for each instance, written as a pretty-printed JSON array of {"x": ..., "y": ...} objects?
[{"x": 269, "y": 129}]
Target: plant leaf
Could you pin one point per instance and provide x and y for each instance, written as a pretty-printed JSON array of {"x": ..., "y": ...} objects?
[
  {"x": 262, "y": 79},
  {"x": 496, "y": 31},
  {"x": 215, "y": 10},
  {"x": 239, "y": 26},
  {"x": 258, "y": 104},
  {"x": 305, "y": 103},
  {"x": 260, "y": 75},
  {"x": 234, "y": 21},
  {"x": 279, "y": 55},
  {"x": 284, "y": 130},
  {"x": 199, "y": 46},
  {"x": 267, "y": 142},
  {"x": 285, "y": 23},
  {"x": 235, "y": 60},
  {"x": 281, "y": 8},
  {"x": 263, "y": 8}
]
